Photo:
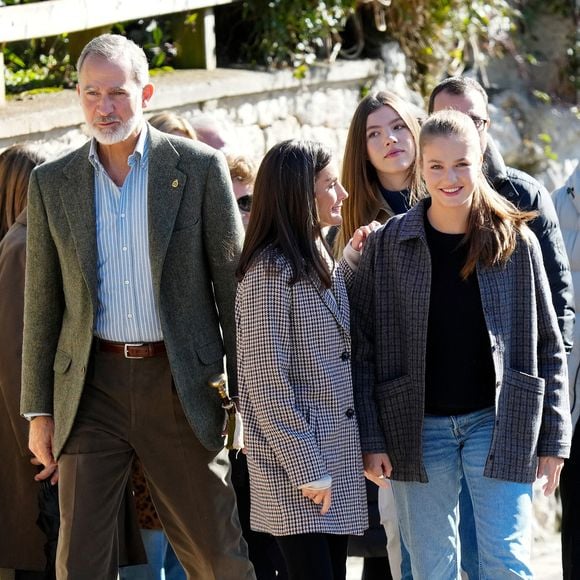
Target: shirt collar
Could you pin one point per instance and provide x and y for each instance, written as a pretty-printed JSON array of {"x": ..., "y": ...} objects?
[{"x": 139, "y": 155}]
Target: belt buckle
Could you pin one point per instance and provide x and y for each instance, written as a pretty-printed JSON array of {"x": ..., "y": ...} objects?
[{"x": 127, "y": 345}]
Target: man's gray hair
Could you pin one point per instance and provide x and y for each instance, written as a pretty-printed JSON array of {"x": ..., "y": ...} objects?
[{"x": 115, "y": 47}]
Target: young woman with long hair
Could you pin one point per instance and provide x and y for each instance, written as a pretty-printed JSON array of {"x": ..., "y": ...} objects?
[
  {"x": 459, "y": 368},
  {"x": 379, "y": 168},
  {"x": 294, "y": 375}
]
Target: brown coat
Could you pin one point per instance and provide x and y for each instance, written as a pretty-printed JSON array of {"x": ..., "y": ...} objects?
[{"x": 22, "y": 541}]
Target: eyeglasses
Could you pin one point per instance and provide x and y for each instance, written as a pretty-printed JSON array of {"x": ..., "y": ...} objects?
[
  {"x": 479, "y": 122},
  {"x": 245, "y": 203}
]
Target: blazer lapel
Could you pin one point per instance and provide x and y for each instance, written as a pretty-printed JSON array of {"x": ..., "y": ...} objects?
[
  {"x": 165, "y": 189},
  {"x": 333, "y": 301},
  {"x": 78, "y": 200}
]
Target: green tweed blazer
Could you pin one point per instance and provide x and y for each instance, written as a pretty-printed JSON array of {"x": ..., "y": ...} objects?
[{"x": 195, "y": 236}]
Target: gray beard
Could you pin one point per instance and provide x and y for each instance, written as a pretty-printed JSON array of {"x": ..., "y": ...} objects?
[{"x": 119, "y": 134}]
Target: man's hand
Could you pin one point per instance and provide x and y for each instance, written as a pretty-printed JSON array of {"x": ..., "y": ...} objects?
[
  {"x": 319, "y": 496},
  {"x": 551, "y": 467},
  {"x": 40, "y": 439},
  {"x": 377, "y": 468}
]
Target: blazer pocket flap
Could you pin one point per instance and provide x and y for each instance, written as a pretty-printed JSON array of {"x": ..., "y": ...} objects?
[
  {"x": 394, "y": 386},
  {"x": 62, "y": 362},
  {"x": 524, "y": 381},
  {"x": 211, "y": 352}
]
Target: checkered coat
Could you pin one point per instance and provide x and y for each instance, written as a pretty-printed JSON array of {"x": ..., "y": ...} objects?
[
  {"x": 390, "y": 307},
  {"x": 295, "y": 387}
]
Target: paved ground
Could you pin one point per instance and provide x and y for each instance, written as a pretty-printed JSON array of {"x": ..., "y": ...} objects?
[{"x": 546, "y": 560}]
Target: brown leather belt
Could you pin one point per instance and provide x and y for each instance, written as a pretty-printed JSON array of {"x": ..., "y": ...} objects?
[{"x": 131, "y": 349}]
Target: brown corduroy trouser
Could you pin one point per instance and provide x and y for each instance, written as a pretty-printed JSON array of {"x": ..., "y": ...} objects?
[{"x": 127, "y": 407}]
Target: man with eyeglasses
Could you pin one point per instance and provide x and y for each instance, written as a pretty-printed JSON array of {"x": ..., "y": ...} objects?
[{"x": 468, "y": 96}]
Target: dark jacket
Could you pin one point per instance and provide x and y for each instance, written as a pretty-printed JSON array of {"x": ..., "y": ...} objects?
[
  {"x": 528, "y": 193},
  {"x": 390, "y": 312}
]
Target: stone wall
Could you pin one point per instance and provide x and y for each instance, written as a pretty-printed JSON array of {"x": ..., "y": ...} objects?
[
  {"x": 261, "y": 108},
  {"x": 258, "y": 108}
]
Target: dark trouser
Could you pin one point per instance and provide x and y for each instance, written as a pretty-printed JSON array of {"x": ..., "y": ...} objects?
[
  {"x": 130, "y": 406},
  {"x": 265, "y": 554},
  {"x": 570, "y": 493},
  {"x": 314, "y": 556}
]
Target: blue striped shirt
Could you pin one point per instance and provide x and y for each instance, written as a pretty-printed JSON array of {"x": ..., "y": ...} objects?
[{"x": 126, "y": 310}]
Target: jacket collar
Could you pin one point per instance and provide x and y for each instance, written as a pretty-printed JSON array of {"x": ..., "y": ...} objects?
[
  {"x": 21, "y": 218},
  {"x": 78, "y": 200},
  {"x": 572, "y": 188},
  {"x": 494, "y": 166},
  {"x": 413, "y": 222}
]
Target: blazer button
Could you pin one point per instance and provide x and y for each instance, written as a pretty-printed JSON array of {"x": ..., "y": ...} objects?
[
  {"x": 349, "y": 413},
  {"x": 345, "y": 356}
]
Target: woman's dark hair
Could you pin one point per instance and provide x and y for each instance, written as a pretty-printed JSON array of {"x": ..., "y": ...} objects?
[{"x": 284, "y": 210}]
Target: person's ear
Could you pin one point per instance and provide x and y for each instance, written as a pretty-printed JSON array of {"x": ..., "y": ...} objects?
[{"x": 147, "y": 94}]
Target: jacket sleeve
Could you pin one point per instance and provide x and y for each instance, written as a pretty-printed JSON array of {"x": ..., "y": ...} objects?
[
  {"x": 556, "y": 427},
  {"x": 223, "y": 238},
  {"x": 264, "y": 320},
  {"x": 362, "y": 300},
  {"x": 43, "y": 307},
  {"x": 547, "y": 230}
]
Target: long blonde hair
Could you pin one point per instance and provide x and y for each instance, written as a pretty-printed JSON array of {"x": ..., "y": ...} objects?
[
  {"x": 359, "y": 177},
  {"x": 494, "y": 224},
  {"x": 170, "y": 122}
]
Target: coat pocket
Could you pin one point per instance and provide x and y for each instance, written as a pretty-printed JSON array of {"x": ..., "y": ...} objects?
[
  {"x": 398, "y": 404},
  {"x": 519, "y": 417},
  {"x": 211, "y": 352},
  {"x": 62, "y": 362}
]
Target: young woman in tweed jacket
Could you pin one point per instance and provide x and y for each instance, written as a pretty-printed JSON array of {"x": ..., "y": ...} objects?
[
  {"x": 458, "y": 364},
  {"x": 295, "y": 385}
]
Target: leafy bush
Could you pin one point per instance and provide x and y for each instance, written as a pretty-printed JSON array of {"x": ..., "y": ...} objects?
[
  {"x": 37, "y": 64},
  {"x": 441, "y": 36},
  {"x": 293, "y": 32}
]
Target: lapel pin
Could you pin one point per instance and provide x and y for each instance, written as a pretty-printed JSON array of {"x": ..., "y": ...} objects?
[{"x": 174, "y": 183}]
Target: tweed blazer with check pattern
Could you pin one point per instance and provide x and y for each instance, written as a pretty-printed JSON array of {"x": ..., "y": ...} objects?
[
  {"x": 295, "y": 387},
  {"x": 390, "y": 311}
]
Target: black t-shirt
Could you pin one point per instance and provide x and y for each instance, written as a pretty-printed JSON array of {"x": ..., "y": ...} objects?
[{"x": 460, "y": 377}]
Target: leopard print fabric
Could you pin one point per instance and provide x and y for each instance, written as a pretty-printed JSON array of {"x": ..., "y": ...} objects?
[{"x": 146, "y": 513}]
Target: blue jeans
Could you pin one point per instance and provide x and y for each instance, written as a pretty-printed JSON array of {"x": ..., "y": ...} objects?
[
  {"x": 162, "y": 563},
  {"x": 467, "y": 534},
  {"x": 456, "y": 447}
]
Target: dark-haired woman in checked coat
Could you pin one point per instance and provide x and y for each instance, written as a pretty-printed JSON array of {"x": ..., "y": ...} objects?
[{"x": 293, "y": 335}]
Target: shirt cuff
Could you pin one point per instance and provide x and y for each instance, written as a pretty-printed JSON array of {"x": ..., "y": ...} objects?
[
  {"x": 30, "y": 416},
  {"x": 322, "y": 483}
]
